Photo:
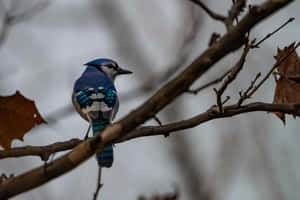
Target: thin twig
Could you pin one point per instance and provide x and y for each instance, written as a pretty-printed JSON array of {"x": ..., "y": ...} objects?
[
  {"x": 212, "y": 14},
  {"x": 244, "y": 96},
  {"x": 253, "y": 83},
  {"x": 90, "y": 125},
  {"x": 210, "y": 83},
  {"x": 235, "y": 10},
  {"x": 87, "y": 132},
  {"x": 272, "y": 33},
  {"x": 225, "y": 100},
  {"x": 159, "y": 123},
  {"x": 213, "y": 38},
  {"x": 157, "y": 120},
  {"x": 99, "y": 185},
  {"x": 232, "y": 76},
  {"x": 249, "y": 92},
  {"x": 52, "y": 157},
  {"x": 252, "y": 89},
  {"x": 272, "y": 69}
]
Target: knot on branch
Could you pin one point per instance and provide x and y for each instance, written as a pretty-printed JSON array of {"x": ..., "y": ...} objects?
[
  {"x": 45, "y": 155},
  {"x": 4, "y": 178},
  {"x": 94, "y": 143}
]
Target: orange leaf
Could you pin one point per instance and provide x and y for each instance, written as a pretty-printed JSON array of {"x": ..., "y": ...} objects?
[{"x": 17, "y": 116}]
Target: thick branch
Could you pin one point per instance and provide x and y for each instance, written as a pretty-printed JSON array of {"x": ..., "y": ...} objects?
[{"x": 228, "y": 43}]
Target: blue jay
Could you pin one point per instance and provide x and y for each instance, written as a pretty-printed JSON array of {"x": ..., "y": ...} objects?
[{"x": 95, "y": 99}]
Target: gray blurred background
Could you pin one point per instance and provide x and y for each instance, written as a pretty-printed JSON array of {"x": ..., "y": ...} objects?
[{"x": 251, "y": 156}]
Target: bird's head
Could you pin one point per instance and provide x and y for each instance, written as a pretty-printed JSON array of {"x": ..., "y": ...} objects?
[{"x": 109, "y": 67}]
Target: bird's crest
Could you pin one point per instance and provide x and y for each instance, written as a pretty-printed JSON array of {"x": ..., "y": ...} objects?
[{"x": 101, "y": 61}]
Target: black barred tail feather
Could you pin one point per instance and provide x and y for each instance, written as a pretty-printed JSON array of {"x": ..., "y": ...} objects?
[{"x": 105, "y": 158}]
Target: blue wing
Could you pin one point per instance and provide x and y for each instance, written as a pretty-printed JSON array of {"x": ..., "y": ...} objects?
[{"x": 98, "y": 106}]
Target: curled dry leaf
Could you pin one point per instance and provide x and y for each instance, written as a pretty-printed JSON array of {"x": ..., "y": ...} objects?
[
  {"x": 288, "y": 83},
  {"x": 17, "y": 116}
]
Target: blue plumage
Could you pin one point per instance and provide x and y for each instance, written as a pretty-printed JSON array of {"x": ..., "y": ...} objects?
[
  {"x": 95, "y": 99},
  {"x": 100, "y": 61},
  {"x": 93, "y": 78}
]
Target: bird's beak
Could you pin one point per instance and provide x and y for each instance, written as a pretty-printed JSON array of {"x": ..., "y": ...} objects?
[{"x": 124, "y": 71}]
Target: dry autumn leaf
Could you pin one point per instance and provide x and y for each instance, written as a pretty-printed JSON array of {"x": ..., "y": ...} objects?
[
  {"x": 17, "y": 116},
  {"x": 287, "y": 91},
  {"x": 288, "y": 84},
  {"x": 291, "y": 65}
]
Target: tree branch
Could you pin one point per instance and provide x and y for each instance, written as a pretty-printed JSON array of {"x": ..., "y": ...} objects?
[
  {"x": 99, "y": 185},
  {"x": 271, "y": 70},
  {"x": 43, "y": 151},
  {"x": 144, "y": 131},
  {"x": 168, "y": 93},
  {"x": 211, "y": 114},
  {"x": 234, "y": 72},
  {"x": 210, "y": 83},
  {"x": 234, "y": 12},
  {"x": 272, "y": 33},
  {"x": 212, "y": 14}
]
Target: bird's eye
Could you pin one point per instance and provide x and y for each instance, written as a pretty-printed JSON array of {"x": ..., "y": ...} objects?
[{"x": 111, "y": 66}]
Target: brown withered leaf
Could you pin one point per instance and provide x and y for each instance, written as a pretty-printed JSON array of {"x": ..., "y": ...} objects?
[
  {"x": 291, "y": 66},
  {"x": 17, "y": 116},
  {"x": 288, "y": 83},
  {"x": 287, "y": 91},
  {"x": 295, "y": 78}
]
